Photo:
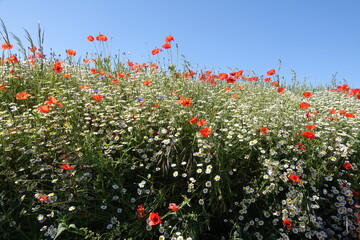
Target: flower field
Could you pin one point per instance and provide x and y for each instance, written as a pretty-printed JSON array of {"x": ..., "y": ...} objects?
[{"x": 104, "y": 148}]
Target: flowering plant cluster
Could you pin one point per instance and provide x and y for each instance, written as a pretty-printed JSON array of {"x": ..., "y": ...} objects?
[{"x": 134, "y": 151}]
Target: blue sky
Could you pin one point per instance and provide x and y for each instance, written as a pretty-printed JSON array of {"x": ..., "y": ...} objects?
[{"x": 316, "y": 39}]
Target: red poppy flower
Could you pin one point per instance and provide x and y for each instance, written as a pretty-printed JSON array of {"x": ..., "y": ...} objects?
[
  {"x": 187, "y": 102},
  {"x": 101, "y": 37},
  {"x": 347, "y": 165},
  {"x": 71, "y": 52},
  {"x": 97, "y": 97},
  {"x": 44, "y": 108},
  {"x": 43, "y": 198},
  {"x": 300, "y": 146},
  {"x": 6, "y": 46},
  {"x": 281, "y": 90},
  {"x": 350, "y": 115},
  {"x": 121, "y": 75},
  {"x": 250, "y": 79},
  {"x": 201, "y": 122},
  {"x": 84, "y": 86},
  {"x": 270, "y": 72},
  {"x": 156, "y": 104},
  {"x": 90, "y": 38},
  {"x": 287, "y": 223},
  {"x": 230, "y": 80},
  {"x": 307, "y": 94},
  {"x": 357, "y": 195},
  {"x": 93, "y": 70},
  {"x": 223, "y": 76},
  {"x": 166, "y": 46},
  {"x": 355, "y": 91},
  {"x": 237, "y": 74},
  {"x": 304, "y": 105},
  {"x": 310, "y": 127},
  {"x": 169, "y": 38},
  {"x": 40, "y": 55},
  {"x": 32, "y": 49},
  {"x": 294, "y": 178},
  {"x": 193, "y": 120},
  {"x": 205, "y": 132},
  {"x": 154, "y": 219},
  {"x": 66, "y": 75},
  {"x": 342, "y": 112},
  {"x": 140, "y": 211},
  {"x": 153, "y": 65},
  {"x": 58, "y": 67},
  {"x": 67, "y": 167},
  {"x": 332, "y": 111},
  {"x": 309, "y": 135},
  {"x": 12, "y": 58},
  {"x": 155, "y": 51},
  {"x": 22, "y": 96},
  {"x": 31, "y": 59},
  {"x": 52, "y": 102},
  {"x": 267, "y": 79},
  {"x": 264, "y": 130},
  {"x": 173, "y": 207},
  {"x": 189, "y": 74},
  {"x": 147, "y": 83},
  {"x": 276, "y": 83},
  {"x": 344, "y": 88}
]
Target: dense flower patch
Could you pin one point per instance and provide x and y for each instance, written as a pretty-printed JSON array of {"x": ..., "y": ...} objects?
[{"x": 145, "y": 151}]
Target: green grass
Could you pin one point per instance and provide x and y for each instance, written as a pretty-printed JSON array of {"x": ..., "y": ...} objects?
[{"x": 136, "y": 147}]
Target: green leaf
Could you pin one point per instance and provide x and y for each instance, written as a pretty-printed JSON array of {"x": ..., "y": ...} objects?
[
  {"x": 73, "y": 226},
  {"x": 61, "y": 228}
]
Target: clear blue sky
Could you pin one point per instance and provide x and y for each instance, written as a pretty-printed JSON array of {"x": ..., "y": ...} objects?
[{"x": 316, "y": 38}]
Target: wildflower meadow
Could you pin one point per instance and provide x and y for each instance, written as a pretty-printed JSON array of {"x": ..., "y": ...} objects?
[{"x": 100, "y": 147}]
